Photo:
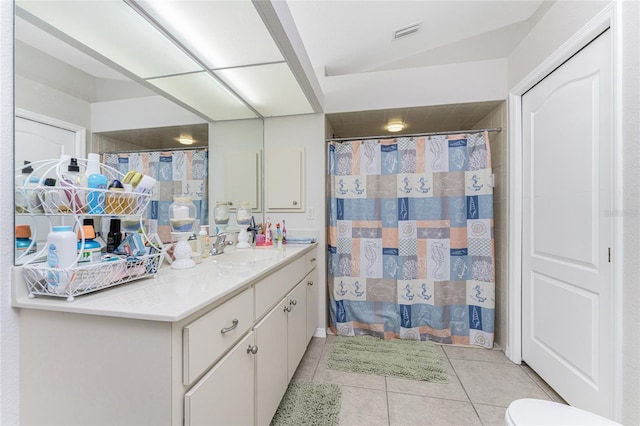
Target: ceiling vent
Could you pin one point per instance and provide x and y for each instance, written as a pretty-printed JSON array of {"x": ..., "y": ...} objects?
[{"x": 405, "y": 31}]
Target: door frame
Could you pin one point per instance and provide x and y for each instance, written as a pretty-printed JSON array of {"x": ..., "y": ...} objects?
[
  {"x": 610, "y": 18},
  {"x": 80, "y": 132}
]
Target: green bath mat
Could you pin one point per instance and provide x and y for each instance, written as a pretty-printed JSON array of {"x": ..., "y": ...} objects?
[
  {"x": 309, "y": 404},
  {"x": 407, "y": 359}
]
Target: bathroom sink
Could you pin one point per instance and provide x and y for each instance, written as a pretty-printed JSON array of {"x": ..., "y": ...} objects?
[{"x": 244, "y": 256}]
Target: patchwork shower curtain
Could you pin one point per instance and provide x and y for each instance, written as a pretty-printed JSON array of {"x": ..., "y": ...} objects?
[
  {"x": 180, "y": 173},
  {"x": 410, "y": 245}
]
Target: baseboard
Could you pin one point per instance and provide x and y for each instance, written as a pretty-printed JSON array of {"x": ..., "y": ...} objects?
[{"x": 320, "y": 332}]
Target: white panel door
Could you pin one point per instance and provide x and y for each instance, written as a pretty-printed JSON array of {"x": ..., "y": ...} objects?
[{"x": 567, "y": 295}]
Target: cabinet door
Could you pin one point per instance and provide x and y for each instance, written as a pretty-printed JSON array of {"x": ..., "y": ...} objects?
[
  {"x": 285, "y": 179},
  {"x": 224, "y": 396},
  {"x": 242, "y": 173},
  {"x": 313, "y": 287},
  {"x": 296, "y": 326},
  {"x": 271, "y": 362}
]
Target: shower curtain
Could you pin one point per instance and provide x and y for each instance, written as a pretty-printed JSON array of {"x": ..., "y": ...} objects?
[
  {"x": 178, "y": 173},
  {"x": 410, "y": 245}
]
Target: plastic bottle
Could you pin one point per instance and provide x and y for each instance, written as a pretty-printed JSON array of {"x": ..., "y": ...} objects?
[
  {"x": 24, "y": 244},
  {"x": 76, "y": 182},
  {"x": 284, "y": 233},
  {"x": 268, "y": 233},
  {"x": 114, "y": 200},
  {"x": 50, "y": 197},
  {"x": 95, "y": 180},
  {"x": 114, "y": 238},
  {"x": 62, "y": 255},
  {"x": 89, "y": 249},
  {"x": 27, "y": 198},
  {"x": 203, "y": 244},
  {"x": 143, "y": 189}
]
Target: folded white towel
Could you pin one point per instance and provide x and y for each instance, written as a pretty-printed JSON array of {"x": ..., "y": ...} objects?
[{"x": 300, "y": 240}]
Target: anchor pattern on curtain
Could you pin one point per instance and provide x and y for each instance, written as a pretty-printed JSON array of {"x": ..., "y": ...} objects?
[
  {"x": 410, "y": 245},
  {"x": 178, "y": 173}
]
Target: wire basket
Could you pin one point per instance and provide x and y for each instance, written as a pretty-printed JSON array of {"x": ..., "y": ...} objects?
[
  {"x": 33, "y": 196},
  {"x": 71, "y": 282}
]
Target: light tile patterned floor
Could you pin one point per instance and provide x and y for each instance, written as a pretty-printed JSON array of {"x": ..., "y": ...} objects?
[{"x": 481, "y": 385}]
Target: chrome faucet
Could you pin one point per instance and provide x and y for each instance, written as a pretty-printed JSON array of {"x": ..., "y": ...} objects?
[{"x": 219, "y": 244}]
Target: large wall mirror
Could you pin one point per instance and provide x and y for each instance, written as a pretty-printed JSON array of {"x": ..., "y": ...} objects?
[{"x": 65, "y": 100}]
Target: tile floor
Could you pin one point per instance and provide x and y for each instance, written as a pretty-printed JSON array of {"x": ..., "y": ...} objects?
[{"x": 481, "y": 385}]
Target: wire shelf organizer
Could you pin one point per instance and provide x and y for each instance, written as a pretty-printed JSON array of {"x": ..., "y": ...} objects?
[{"x": 34, "y": 198}]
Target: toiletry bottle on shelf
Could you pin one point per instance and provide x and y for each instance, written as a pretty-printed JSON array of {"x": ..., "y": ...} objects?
[
  {"x": 24, "y": 244},
  {"x": 203, "y": 245},
  {"x": 75, "y": 182},
  {"x": 27, "y": 198},
  {"x": 114, "y": 199},
  {"x": 284, "y": 233},
  {"x": 98, "y": 182},
  {"x": 62, "y": 255},
  {"x": 114, "y": 238},
  {"x": 88, "y": 247},
  {"x": 51, "y": 198},
  {"x": 143, "y": 191}
]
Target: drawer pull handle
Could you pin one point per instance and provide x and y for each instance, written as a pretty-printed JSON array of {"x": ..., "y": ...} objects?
[
  {"x": 234, "y": 324},
  {"x": 287, "y": 308},
  {"x": 295, "y": 203},
  {"x": 313, "y": 259},
  {"x": 252, "y": 349},
  {"x": 293, "y": 302}
]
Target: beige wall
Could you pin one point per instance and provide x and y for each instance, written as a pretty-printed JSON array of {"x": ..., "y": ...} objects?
[{"x": 499, "y": 144}]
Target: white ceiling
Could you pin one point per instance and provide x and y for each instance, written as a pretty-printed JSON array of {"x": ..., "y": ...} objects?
[
  {"x": 350, "y": 37},
  {"x": 347, "y": 37}
]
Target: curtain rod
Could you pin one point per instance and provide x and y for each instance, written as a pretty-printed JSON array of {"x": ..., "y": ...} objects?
[
  {"x": 450, "y": 132},
  {"x": 193, "y": 148}
]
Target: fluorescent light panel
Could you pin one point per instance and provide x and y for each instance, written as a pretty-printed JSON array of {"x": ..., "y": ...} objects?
[
  {"x": 115, "y": 31},
  {"x": 221, "y": 33},
  {"x": 271, "y": 89},
  {"x": 203, "y": 93},
  {"x": 224, "y": 34}
]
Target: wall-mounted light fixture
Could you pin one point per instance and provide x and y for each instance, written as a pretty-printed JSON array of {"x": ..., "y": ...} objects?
[
  {"x": 395, "y": 126},
  {"x": 186, "y": 140}
]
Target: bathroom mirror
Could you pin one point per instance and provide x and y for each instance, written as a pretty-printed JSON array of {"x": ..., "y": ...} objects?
[{"x": 57, "y": 81}]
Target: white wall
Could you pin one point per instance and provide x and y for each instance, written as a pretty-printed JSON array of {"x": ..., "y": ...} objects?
[
  {"x": 562, "y": 20},
  {"x": 629, "y": 121},
  {"x": 433, "y": 85},
  {"x": 9, "y": 341},
  {"x": 139, "y": 113},
  {"x": 305, "y": 131}
]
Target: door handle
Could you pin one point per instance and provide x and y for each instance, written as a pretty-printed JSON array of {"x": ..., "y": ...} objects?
[{"x": 252, "y": 349}]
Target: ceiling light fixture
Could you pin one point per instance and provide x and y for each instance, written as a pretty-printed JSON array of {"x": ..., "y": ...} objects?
[
  {"x": 395, "y": 126},
  {"x": 186, "y": 140}
]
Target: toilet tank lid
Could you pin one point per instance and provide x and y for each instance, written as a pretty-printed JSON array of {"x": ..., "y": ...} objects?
[{"x": 539, "y": 412}]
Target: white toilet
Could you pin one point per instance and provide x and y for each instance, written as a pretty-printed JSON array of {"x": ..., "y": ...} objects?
[{"x": 538, "y": 412}]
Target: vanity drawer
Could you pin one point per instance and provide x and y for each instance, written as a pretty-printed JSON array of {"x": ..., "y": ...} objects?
[
  {"x": 208, "y": 337},
  {"x": 311, "y": 261},
  {"x": 275, "y": 286}
]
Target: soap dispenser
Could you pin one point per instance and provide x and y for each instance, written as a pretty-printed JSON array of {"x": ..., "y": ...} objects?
[{"x": 203, "y": 242}]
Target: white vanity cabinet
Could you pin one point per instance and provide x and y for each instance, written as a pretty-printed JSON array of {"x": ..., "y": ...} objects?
[
  {"x": 227, "y": 363},
  {"x": 271, "y": 362},
  {"x": 313, "y": 287},
  {"x": 224, "y": 396}
]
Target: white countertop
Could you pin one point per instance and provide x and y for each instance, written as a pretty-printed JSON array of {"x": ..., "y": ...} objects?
[{"x": 173, "y": 294}]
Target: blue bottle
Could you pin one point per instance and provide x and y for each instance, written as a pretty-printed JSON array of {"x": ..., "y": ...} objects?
[{"x": 95, "y": 180}]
